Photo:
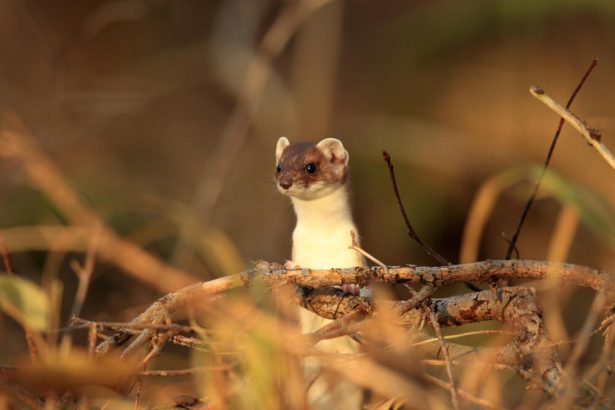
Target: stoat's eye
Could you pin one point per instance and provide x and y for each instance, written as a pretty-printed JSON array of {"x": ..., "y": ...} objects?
[
  {"x": 278, "y": 169},
  {"x": 310, "y": 168}
]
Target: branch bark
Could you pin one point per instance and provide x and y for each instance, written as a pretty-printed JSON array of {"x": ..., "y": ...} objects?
[{"x": 529, "y": 352}]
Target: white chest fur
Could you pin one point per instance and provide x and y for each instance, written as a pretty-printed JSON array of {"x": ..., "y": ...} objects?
[{"x": 321, "y": 239}]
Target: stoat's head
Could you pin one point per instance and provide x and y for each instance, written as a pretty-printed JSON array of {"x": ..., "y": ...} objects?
[{"x": 309, "y": 171}]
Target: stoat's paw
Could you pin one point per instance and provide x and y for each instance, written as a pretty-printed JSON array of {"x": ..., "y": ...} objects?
[
  {"x": 352, "y": 289},
  {"x": 290, "y": 265},
  {"x": 356, "y": 290}
]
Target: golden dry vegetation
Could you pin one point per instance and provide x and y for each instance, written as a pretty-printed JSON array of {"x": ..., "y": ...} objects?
[{"x": 136, "y": 159}]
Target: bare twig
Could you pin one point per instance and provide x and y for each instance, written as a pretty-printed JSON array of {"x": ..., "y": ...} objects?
[
  {"x": 84, "y": 276},
  {"x": 442, "y": 363},
  {"x": 77, "y": 323},
  {"x": 339, "y": 327},
  {"x": 591, "y": 135},
  {"x": 138, "y": 395},
  {"x": 190, "y": 342},
  {"x": 425, "y": 292},
  {"x": 584, "y": 336},
  {"x": 355, "y": 246},
  {"x": 532, "y": 198},
  {"x": 183, "y": 372},
  {"x": 411, "y": 232},
  {"x": 461, "y": 335},
  {"x": 462, "y": 393},
  {"x": 485, "y": 271},
  {"x": 447, "y": 359}
]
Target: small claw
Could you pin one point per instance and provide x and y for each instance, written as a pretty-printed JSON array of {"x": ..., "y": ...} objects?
[{"x": 351, "y": 289}]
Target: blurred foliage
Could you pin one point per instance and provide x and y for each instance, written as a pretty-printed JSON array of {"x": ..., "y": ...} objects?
[
  {"x": 24, "y": 301},
  {"x": 131, "y": 100}
]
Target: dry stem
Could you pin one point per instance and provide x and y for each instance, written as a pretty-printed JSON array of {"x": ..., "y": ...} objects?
[{"x": 591, "y": 135}]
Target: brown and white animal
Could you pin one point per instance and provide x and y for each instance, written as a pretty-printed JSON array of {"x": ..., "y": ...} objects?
[{"x": 315, "y": 177}]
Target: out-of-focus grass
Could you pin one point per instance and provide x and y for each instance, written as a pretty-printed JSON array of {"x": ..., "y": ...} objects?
[{"x": 129, "y": 99}]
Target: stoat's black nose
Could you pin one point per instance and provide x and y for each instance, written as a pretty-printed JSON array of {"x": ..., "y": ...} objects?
[{"x": 285, "y": 183}]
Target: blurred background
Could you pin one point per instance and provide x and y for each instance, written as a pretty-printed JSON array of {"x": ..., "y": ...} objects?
[{"x": 163, "y": 115}]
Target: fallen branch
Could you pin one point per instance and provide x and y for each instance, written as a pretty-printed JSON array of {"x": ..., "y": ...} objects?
[
  {"x": 529, "y": 351},
  {"x": 485, "y": 271}
]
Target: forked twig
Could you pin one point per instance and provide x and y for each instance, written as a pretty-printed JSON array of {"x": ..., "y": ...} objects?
[
  {"x": 355, "y": 246},
  {"x": 462, "y": 393},
  {"x": 513, "y": 242}
]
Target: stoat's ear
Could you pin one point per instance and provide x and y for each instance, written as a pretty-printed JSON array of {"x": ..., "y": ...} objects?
[
  {"x": 334, "y": 151},
  {"x": 280, "y": 147}
]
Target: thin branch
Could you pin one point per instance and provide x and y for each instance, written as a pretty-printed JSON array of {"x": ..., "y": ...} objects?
[
  {"x": 447, "y": 359},
  {"x": 183, "y": 372},
  {"x": 355, "y": 246},
  {"x": 84, "y": 276},
  {"x": 513, "y": 243},
  {"x": 411, "y": 232},
  {"x": 462, "y": 335},
  {"x": 462, "y": 393},
  {"x": 442, "y": 363},
  {"x": 591, "y": 135},
  {"x": 79, "y": 323},
  {"x": 424, "y": 293},
  {"x": 338, "y": 327}
]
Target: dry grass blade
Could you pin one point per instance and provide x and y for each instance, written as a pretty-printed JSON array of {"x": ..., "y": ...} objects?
[
  {"x": 411, "y": 232},
  {"x": 481, "y": 209},
  {"x": 355, "y": 246},
  {"x": 17, "y": 144}
]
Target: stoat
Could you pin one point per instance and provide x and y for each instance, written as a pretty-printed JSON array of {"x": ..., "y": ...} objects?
[{"x": 315, "y": 177}]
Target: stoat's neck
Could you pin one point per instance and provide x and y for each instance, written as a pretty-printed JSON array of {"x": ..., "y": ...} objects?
[{"x": 329, "y": 210}]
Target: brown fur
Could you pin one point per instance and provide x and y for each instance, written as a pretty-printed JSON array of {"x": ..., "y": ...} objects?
[{"x": 297, "y": 155}]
